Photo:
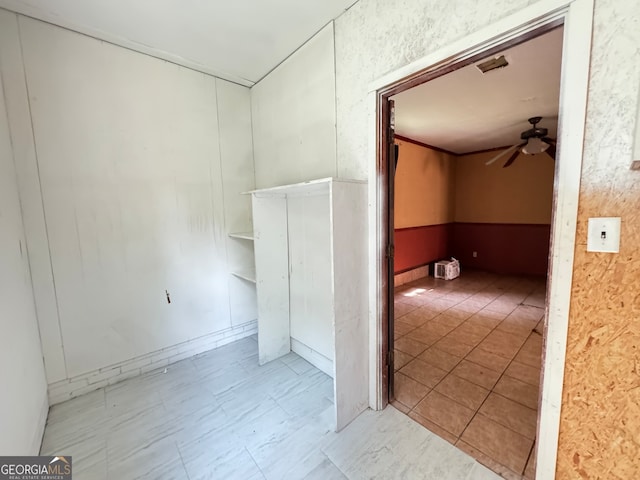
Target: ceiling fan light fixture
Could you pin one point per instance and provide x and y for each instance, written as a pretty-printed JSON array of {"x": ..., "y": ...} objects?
[{"x": 534, "y": 145}]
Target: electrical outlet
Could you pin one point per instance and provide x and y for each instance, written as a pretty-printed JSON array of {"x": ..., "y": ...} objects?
[{"x": 475, "y": 254}]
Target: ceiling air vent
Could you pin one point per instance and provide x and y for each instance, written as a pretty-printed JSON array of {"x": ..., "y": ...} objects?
[{"x": 492, "y": 64}]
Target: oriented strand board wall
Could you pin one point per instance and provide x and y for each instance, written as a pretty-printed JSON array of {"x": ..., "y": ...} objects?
[
  {"x": 521, "y": 193},
  {"x": 600, "y": 426},
  {"x": 424, "y": 187}
]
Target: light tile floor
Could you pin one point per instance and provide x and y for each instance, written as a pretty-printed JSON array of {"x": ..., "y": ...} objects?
[
  {"x": 221, "y": 416},
  {"x": 468, "y": 358}
]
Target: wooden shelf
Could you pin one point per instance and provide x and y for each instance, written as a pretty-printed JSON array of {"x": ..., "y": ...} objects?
[
  {"x": 322, "y": 185},
  {"x": 242, "y": 235},
  {"x": 248, "y": 275}
]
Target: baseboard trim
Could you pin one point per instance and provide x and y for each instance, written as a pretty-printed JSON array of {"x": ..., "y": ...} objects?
[
  {"x": 410, "y": 275},
  {"x": 312, "y": 356},
  {"x": 67, "y": 389},
  {"x": 42, "y": 423}
]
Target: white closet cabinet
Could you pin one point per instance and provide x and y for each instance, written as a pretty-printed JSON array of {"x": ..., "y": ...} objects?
[{"x": 311, "y": 263}]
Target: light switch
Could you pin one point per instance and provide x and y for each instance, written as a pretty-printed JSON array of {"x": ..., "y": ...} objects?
[{"x": 604, "y": 235}]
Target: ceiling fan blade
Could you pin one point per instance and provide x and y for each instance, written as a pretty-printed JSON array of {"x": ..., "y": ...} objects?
[
  {"x": 551, "y": 151},
  {"x": 512, "y": 158},
  {"x": 502, "y": 154}
]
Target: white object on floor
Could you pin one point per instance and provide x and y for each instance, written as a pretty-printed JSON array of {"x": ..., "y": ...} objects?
[{"x": 447, "y": 269}]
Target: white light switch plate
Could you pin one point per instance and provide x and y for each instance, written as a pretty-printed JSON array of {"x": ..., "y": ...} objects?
[{"x": 604, "y": 235}]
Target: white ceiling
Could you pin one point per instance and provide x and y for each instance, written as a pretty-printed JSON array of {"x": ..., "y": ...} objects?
[
  {"x": 467, "y": 110},
  {"x": 243, "y": 40},
  {"x": 239, "y": 40}
]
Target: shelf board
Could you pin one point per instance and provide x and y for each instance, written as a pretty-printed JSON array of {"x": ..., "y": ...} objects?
[
  {"x": 243, "y": 235},
  {"x": 320, "y": 185},
  {"x": 248, "y": 275}
]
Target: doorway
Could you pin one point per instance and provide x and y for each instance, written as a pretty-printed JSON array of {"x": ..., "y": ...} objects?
[
  {"x": 468, "y": 351},
  {"x": 517, "y": 29}
]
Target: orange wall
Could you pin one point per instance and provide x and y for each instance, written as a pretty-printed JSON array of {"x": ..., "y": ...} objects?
[
  {"x": 457, "y": 205},
  {"x": 424, "y": 187},
  {"x": 521, "y": 193},
  {"x": 434, "y": 188}
]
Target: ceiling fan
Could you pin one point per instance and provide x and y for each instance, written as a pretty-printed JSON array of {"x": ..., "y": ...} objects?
[{"x": 535, "y": 141}]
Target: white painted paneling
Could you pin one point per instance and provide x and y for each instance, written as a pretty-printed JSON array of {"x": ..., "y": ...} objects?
[
  {"x": 23, "y": 402},
  {"x": 67, "y": 389},
  {"x": 313, "y": 357},
  {"x": 236, "y": 158},
  {"x": 293, "y": 112},
  {"x": 29, "y": 187},
  {"x": 240, "y": 40},
  {"x": 132, "y": 185},
  {"x": 272, "y": 276},
  {"x": 349, "y": 285},
  {"x": 310, "y": 288},
  {"x": 236, "y": 151}
]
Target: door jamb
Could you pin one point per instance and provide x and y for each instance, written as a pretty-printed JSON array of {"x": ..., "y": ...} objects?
[{"x": 577, "y": 17}]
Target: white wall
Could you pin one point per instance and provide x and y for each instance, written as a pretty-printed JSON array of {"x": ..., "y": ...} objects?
[
  {"x": 236, "y": 153},
  {"x": 132, "y": 192},
  {"x": 17, "y": 103},
  {"x": 293, "y": 113},
  {"x": 23, "y": 401}
]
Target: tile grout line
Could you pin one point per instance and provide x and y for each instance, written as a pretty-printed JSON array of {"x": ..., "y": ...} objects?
[
  {"x": 450, "y": 372},
  {"x": 254, "y": 461},
  {"x": 533, "y": 447},
  {"x": 492, "y": 391},
  {"x": 184, "y": 466}
]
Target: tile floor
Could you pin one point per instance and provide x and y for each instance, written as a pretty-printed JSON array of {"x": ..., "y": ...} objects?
[
  {"x": 467, "y": 364},
  {"x": 220, "y": 416}
]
